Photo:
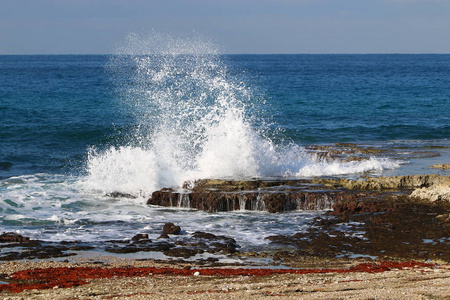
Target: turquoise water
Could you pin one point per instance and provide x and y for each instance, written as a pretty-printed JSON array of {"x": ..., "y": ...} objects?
[{"x": 74, "y": 128}]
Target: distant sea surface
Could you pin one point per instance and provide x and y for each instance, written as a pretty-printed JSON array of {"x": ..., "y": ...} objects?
[{"x": 75, "y": 128}]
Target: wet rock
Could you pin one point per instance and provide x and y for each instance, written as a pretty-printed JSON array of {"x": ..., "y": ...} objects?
[
  {"x": 284, "y": 255},
  {"x": 224, "y": 247},
  {"x": 164, "y": 197},
  {"x": 210, "y": 236},
  {"x": 140, "y": 236},
  {"x": 344, "y": 208},
  {"x": 222, "y": 244},
  {"x": 183, "y": 252},
  {"x": 160, "y": 246},
  {"x": 11, "y": 255},
  {"x": 186, "y": 246},
  {"x": 121, "y": 195},
  {"x": 117, "y": 242},
  {"x": 170, "y": 228},
  {"x": 128, "y": 249},
  {"x": 36, "y": 251},
  {"x": 277, "y": 199},
  {"x": 49, "y": 252},
  {"x": 149, "y": 246},
  {"x": 196, "y": 244},
  {"x": 204, "y": 235},
  {"x": 12, "y": 237},
  {"x": 385, "y": 228},
  {"x": 76, "y": 245},
  {"x": 81, "y": 248},
  {"x": 281, "y": 239}
]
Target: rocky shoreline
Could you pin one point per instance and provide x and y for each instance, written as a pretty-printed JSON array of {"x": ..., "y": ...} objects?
[
  {"x": 288, "y": 195},
  {"x": 368, "y": 221},
  {"x": 402, "y": 217}
]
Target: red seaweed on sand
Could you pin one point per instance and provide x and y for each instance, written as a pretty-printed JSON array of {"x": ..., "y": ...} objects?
[{"x": 69, "y": 277}]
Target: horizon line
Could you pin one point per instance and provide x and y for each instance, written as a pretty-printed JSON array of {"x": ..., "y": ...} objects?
[{"x": 368, "y": 53}]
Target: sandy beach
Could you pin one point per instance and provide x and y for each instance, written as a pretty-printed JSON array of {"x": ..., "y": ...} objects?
[{"x": 413, "y": 282}]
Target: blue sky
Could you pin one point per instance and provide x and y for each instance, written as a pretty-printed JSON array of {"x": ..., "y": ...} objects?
[{"x": 237, "y": 26}]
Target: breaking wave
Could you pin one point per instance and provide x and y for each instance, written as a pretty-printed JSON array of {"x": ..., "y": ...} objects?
[{"x": 193, "y": 119}]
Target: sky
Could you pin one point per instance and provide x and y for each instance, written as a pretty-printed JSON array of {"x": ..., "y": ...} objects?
[{"x": 236, "y": 26}]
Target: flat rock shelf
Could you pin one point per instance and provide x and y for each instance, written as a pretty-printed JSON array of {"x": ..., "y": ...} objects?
[{"x": 286, "y": 195}]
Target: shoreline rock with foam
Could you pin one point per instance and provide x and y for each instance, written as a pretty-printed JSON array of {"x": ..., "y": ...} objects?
[{"x": 286, "y": 195}]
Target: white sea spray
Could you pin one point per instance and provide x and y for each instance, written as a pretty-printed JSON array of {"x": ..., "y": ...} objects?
[
  {"x": 193, "y": 120},
  {"x": 351, "y": 167}
]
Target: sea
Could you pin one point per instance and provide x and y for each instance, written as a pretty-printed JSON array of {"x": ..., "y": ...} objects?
[{"x": 159, "y": 113}]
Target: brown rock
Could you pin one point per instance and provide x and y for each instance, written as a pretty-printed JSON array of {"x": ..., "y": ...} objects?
[
  {"x": 279, "y": 196},
  {"x": 441, "y": 166},
  {"x": 183, "y": 252},
  {"x": 12, "y": 237},
  {"x": 367, "y": 206},
  {"x": 386, "y": 183},
  {"x": 271, "y": 201},
  {"x": 140, "y": 236},
  {"x": 164, "y": 197},
  {"x": 170, "y": 228}
]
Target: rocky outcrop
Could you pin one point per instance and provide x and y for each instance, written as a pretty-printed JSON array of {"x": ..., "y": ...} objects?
[
  {"x": 170, "y": 228},
  {"x": 271, "y": 201},
  {"x": 386, "y": 183},
  {"x": 139, "y": 237},
  {"x": 12, "y": 237},
  {"x": 286, "y": 195},
  {"x": 436, "y": 192},
  {"x": 441, "y": 166}
]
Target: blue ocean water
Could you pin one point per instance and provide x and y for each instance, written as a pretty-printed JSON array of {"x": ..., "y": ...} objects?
[
  {"x": 54, "y": 107},
  {"x": 74, "y": 128},
  {"x": 355, "y": 98}
]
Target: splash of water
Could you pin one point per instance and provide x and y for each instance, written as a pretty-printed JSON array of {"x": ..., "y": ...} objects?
[{"x": 194, "y": 120}]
